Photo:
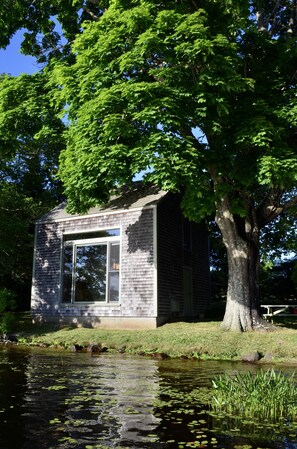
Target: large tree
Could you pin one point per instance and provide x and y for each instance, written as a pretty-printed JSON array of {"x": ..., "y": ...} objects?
[
  {"x": 203, "y": 94},
  {"x": 199, "y": 94},
  {"x": 31, "y": 137}
]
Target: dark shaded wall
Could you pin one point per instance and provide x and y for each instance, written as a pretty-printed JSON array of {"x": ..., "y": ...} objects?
[
  {"x": 169, "y": 257},
  {"x": 201, "y": 269},
  {"x": 174, "y": 257}
]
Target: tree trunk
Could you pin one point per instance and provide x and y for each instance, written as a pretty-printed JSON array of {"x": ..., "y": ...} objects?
[{"x": 241, "y": 239}]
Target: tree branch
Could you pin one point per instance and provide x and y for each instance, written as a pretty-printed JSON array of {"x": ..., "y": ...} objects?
[
  {"x": 271, "y": 207},
  {"x": 291, "y": 31},
  {"x": 88, "y": 11},
  {"x": 261, "y": 25},
  {"x": 195, "y": 4},
  {"x": 291, "y": 203}
]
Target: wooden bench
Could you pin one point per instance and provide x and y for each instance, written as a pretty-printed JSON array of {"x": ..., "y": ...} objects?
[{"x": 279, "y": 310}]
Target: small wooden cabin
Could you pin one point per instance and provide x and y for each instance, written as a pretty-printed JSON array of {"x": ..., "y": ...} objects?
[{"x": 135, "y": 263}]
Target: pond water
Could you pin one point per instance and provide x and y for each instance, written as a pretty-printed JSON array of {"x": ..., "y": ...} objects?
[{"x": 81, "y": 401}]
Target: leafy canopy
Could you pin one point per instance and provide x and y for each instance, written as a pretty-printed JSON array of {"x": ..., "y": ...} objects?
[
  {"x": 30, "y": 133},
  {"x": 48, "y": 26},
  {"x": 199, "y": 94},
  {"x": 31, "y": 137}
]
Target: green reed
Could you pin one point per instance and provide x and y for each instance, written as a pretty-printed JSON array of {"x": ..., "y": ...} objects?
[{"x": 267, "y": 395}]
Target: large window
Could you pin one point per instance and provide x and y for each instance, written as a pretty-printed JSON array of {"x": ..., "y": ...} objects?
[{"x": 91, "y": 267}]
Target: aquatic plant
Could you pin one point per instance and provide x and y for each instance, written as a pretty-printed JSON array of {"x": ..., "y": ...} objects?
[{"x": 267, "y": 395}]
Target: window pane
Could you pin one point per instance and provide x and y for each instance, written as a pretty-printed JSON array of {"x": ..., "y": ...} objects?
[
  {"x": 114, "y": 266},
  {"x": 113, "y": 286},
  {"x": 114, "y": 259},
  {"x": 91, "y": 235},
  {"x": 112, "y": 232},
  {"x": 67, "y": 273},
  {"x": 90, "y": 273}
]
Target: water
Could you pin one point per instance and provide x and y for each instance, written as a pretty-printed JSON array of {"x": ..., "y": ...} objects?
[{"x": 82, "y": 401}]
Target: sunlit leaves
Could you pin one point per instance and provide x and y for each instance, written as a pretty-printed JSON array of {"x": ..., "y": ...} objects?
[
  {"x": 136, "y": 70},
  {"x": 145, "y": 77},
  {"x": 276, "y": 172}
]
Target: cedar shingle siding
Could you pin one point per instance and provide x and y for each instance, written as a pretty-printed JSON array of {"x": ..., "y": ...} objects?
[{"x": 153, "y": 264}]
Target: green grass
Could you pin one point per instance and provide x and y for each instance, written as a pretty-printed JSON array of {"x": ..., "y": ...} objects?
[{"x": 205, "y": 340}]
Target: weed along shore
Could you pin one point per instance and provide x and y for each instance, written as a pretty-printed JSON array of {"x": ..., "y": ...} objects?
[{"x": 203, "y": 340}]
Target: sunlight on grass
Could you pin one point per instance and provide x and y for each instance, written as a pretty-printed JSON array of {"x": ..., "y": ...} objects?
[{"x": 204, "y": 340}]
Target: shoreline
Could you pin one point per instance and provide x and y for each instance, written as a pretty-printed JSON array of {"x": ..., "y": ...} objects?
[{"x": 180, "y": 340}]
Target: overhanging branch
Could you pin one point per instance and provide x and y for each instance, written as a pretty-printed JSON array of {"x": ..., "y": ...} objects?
[
  {"x": 272, "y": 206},
  {"x": 88, "y": 11},
  {"x": 289, "y": 204}
]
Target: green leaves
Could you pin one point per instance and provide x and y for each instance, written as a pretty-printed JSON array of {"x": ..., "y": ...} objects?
[
  {"x": 136, "y": 89},
  {"x": 48, "y": 25},
  {"x": 146, "y": 77},
  {"x": 140, "y": 76},
  {"x": 276, "y": 172},
  {"x": 31, "y": 137}
]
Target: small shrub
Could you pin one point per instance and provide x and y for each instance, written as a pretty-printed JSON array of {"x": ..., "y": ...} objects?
[
  {"x": 266, "y": 395},
  {"x": 7, "y": 306}
]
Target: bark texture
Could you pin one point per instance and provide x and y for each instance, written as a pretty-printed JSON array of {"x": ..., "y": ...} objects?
[{"x": 241, "y": 239}]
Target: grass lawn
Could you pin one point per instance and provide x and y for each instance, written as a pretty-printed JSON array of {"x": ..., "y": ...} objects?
[{"x": 205, "y": 340}]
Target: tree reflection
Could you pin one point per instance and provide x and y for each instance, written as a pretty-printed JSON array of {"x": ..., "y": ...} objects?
[{"x": 90, "y": 273}]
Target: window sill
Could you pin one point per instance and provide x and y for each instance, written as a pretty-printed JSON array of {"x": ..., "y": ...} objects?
[{"x": 90, "y": 303}]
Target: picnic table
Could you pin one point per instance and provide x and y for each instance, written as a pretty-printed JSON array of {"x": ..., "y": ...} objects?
[{"x": 279, "y": 310}]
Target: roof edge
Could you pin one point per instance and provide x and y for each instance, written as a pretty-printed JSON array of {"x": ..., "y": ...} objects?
[{"x": 139, "y": 196}]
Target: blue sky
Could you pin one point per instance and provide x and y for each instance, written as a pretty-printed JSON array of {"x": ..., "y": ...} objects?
[{"x": 13, "y": 62}]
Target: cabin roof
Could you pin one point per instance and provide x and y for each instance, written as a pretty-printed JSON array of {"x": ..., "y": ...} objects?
[{"x": 137, "y": 196}]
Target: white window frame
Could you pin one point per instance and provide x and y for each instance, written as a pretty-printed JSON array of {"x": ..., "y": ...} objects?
[{"x": 84, "y": 242}]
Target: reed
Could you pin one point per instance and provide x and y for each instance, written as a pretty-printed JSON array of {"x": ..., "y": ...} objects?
[{"x": 267, "y": 395}]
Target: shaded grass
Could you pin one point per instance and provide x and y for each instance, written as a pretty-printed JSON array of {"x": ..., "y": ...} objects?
[{"x": 205, "y": 340}]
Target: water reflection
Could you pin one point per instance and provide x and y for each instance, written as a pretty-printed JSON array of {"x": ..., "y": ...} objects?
[
  {"x": 13, "y": 385},
  {"x": 73, "y": 400},
  {"x": 78, "y": 401}
]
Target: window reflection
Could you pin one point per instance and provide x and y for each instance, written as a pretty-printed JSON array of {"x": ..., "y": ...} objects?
[
  {"x": 114, "y": 275},
  {"x": 91, "y": 268},
  {"x": 90, "y": 273}
]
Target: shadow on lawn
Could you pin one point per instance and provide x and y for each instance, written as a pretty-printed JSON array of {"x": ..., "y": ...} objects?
[
  {"x": 24, "y": 327},
  {"x": 289, "y": 323},
  {"x": 217, "y": 310}
]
